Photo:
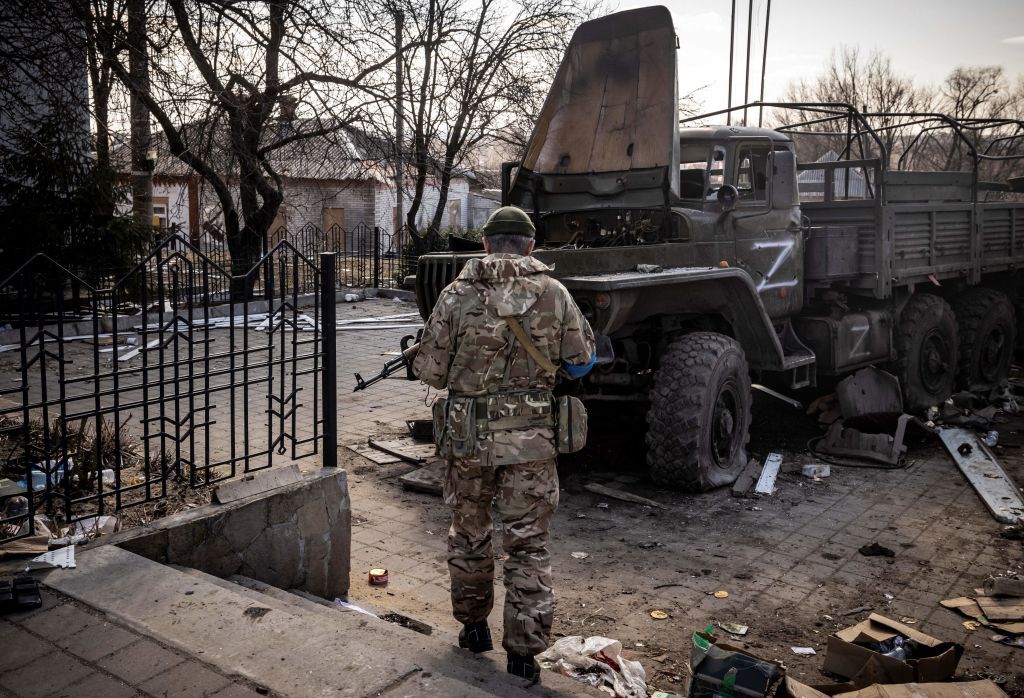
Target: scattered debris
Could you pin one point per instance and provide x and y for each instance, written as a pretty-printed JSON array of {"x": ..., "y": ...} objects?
[
  {"x": 876, "y": 550},
  {"x": 845, "y": 441},
  {"x": 869, "y": 392},
  {"x": 816, "y": 470},
  {"x": 733, "y": 628},
  {"x": 580, "y": 555},
  {"x": 378, "y": 577},
  {"x": 971, "y": 625},
  {"x": 855, "y": 611},
  {"x": 405, "y": 448},
  {"x": 747, "y": 478},
  {"x": 1012, "y": 641},
  {"x": 909, "y": 620},
  {"x": 598, "y": 662},
  {"x": 377, "y": 456},
  {"x": 721, "y": 669},
  {"x": 803, "y": 651},
  {"x": 770, "y": 471},
  {"x": 1004, "y": 586},
  {"x": 1000, "y": 494},
  {"x": 352, "y": 607},
  {"x": 623, "y": 496},
  {"x": 19, "y": 594},
  {"x": 722, "y": 594},
  {"x": 61, "y": 557},
  {"x": 971, "y": 609},
  {"x": 428, "y": 479},
  {"x": 777, "y": 395},
  {"x": 659, "y": 615},
  {"x": 255, "y": 613},
  {"x": 649, "y": 268}
]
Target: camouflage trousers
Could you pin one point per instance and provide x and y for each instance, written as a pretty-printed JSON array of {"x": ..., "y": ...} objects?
[{"x": 525, "y": 496}]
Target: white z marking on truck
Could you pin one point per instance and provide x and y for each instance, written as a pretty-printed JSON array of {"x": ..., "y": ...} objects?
[
  {"x": 861, "y": 333},
  {"x": 785, "y": 247}
]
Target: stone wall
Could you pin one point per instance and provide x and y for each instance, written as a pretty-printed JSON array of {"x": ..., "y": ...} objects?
[{"x": 296, "y": 536}]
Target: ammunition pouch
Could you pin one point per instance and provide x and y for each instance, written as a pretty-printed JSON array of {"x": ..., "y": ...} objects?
[
  {"x": 571, "y": 434},
  {"x": 459, "y": 421}
]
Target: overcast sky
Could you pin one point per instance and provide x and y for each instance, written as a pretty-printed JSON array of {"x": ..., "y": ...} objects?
[{"x": 925, "y": 38}]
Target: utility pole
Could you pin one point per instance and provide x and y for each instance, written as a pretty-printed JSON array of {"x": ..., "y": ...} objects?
[
  {"x": 732, "y": 48},
  {"x": 399, "y": 123},
  {"x": 764, "y": 61},
  {"x": 746, "y": 80},
  {"x": 141, "y": 158}
]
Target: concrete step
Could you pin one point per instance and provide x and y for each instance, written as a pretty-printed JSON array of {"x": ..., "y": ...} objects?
[
  {"x": 281, "y": 644},
  {"x": 258, "y": 597}
]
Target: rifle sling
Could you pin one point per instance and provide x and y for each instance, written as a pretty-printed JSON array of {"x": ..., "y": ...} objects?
[{"x": 531, "y": 348}]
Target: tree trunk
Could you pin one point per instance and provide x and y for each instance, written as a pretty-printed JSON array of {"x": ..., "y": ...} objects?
[{"x": 138, "y": 66}]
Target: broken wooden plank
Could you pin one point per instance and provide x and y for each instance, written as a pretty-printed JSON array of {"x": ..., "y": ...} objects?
[
  {"x": 428, "y": 479},
  {"x": 747, "y": 478},
  {"x": 624, "y": 496},
  {"x": 1001, "y": 609},
  {"x": 770, "y": 471},
  {"x": 982, "y": 470},
  {"x": 377, "y": 456},
  {"x": 406, "y": 449}
]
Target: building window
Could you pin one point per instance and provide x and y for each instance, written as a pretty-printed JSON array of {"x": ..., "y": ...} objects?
[{"x": 160, "y": 212}]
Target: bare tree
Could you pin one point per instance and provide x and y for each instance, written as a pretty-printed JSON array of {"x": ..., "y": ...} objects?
[
  {"x": 478, "y": 77},
  {"x": 868, "y": 83},
  {"x": 233, "y": 83}
]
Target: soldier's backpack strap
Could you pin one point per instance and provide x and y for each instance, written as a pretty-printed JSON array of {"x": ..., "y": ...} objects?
[{"x": 531, "y": 348}]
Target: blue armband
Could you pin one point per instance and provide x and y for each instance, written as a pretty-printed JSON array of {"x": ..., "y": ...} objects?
[{"x": 580, "y": 371}]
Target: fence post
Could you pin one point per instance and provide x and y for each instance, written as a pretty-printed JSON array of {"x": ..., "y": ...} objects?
[
  {"x": 328, "y": 339},
  {"x": 376, "y": 256}
]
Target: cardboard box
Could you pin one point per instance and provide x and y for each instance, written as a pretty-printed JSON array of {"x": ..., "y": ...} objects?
[
  {"x": 967, "y": 689},
  {"x": 846, "y": 655}
]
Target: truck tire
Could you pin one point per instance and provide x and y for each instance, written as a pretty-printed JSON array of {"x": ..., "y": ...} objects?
[
  {"x": 987, "y": 331},
  {"x": 926, "y": 351},
  {"x": 699, "y": 419}
]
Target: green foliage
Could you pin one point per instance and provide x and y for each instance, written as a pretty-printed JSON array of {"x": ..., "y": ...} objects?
[{"x": 55, "y": 200}]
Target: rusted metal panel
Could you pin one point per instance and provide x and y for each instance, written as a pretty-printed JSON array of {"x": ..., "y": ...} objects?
[{"x": 612, "y": 106}]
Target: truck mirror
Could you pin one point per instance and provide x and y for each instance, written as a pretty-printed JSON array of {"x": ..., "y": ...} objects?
[
  {"x": 727, "y": 196},
  {"x": 783, "y": 179}
]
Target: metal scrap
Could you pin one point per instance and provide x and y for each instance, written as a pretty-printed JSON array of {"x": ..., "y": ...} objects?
[{"x": 1000, "y": 494}]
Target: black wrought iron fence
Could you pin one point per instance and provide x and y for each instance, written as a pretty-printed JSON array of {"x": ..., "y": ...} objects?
[{"x": 150, "y": 381}]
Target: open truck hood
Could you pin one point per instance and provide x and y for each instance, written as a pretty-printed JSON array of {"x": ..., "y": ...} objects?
[{"x": 609, "y": 124}]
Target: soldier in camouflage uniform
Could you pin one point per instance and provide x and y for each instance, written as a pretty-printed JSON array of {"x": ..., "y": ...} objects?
[{"x": 496, "y": 386}]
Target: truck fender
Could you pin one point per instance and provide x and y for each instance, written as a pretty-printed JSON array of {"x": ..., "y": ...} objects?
[{"x": 726, "y": 292}]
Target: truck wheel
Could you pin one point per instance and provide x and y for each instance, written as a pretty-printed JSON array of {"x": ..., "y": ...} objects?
[
  {"x": 926, "y": 351},
  {"x": 699, "y": 419},
  {"x": 987, "y": 331}
]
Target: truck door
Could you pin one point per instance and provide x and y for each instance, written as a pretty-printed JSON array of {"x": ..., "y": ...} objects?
[{"x": 769, "y": 242}]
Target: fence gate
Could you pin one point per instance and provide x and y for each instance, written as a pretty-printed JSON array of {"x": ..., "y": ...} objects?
[{"x": 114, "y": 397}]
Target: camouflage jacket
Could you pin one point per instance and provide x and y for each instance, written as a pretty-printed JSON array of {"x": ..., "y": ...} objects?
[{"x": 469, "y": 349}]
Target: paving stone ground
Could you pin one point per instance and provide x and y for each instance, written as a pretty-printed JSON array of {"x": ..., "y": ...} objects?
[
  {"x": 67, "y": 649},
  {"x": 790, "y": 562}
]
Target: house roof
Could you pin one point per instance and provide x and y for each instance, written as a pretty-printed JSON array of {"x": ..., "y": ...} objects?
[{"x": 342, "y": 153}]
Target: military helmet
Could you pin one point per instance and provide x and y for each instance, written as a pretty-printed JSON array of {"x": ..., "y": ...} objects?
[{"x": 509, "y": 220}]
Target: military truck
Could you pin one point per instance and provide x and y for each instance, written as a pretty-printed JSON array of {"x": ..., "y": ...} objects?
[{"x": 705, "y": 256}]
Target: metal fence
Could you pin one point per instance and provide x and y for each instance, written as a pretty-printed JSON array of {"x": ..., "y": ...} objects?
[
  {"x": 365, "y": 256},
  {"x": 149, "y": 382}
]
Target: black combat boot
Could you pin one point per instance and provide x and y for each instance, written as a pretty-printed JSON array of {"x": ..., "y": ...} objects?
[
  {"x": 476, "y": 637},
  {"x": 524, "y": 666}
]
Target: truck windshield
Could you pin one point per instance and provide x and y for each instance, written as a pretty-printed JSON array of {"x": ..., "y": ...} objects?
[{"x": 693, "y": 170}]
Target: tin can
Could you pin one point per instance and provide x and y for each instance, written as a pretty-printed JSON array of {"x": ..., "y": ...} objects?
[{"x": 378, "y": 577}]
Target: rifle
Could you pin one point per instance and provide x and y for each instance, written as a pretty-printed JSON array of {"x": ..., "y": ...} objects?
[{"x": 394, "y": 366}]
